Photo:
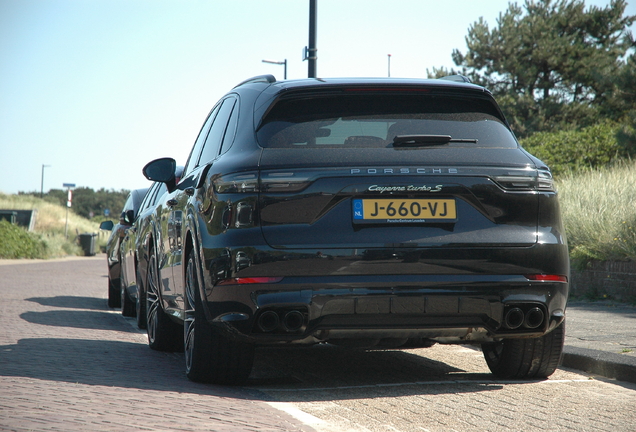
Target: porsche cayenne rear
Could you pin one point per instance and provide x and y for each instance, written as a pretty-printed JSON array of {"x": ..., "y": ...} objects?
[{"x": 363, "y": 212}]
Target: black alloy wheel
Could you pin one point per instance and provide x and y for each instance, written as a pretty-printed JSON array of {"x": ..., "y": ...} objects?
[
  {"x": 210, "y": 355},
  {"x": 163, "y": 333},
  {"x": 526, "y": 358}
]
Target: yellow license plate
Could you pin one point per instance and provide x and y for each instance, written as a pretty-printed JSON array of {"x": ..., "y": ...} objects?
[{"x": 404, "y": 210}]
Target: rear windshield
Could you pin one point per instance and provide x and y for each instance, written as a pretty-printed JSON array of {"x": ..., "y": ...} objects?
[{"x": 373, "y": 120}]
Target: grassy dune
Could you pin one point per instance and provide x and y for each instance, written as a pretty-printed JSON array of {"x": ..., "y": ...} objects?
[
  {"x": 50, "y": 225},
  {"x": 599, "y": 212}
]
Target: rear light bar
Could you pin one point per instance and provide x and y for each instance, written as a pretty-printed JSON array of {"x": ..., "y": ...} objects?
[
  {"x": 547, "y": 278},
  {"x": 250, "y": 280},
  {"x": 387, "y": 89}
]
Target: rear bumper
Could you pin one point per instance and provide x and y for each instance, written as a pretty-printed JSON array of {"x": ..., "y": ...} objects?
[
  {"x": 458, "y": 309},
  {"x": 446, "y": 294}
]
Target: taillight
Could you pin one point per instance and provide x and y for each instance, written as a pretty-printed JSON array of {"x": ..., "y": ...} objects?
[
  {"x": 250, "y": 280},
  {"x": 284, "y": 181},
  {"x": 547, "y": 278},
  {"x": 521, "y": 181},
  {"x": 516, "y": 182},
  {"x": 546, "y": 183},
  {"x": 237, "y": 183}
]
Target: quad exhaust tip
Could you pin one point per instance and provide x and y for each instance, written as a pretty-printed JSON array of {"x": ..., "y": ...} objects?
[
  {"x": 531, "y": 319},
  {"x": 268, "y": 321},
  {"x": 285, "y": 320},
  {"x": 293, "y": 321}
]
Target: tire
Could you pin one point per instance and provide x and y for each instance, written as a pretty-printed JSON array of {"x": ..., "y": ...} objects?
[
  {"x": 140, "y": 305},
  {"x": 114, "y": 294},
  {"x": 526, "y": 358},
  {"x": 128, "y": 308},
  {"x": 211, "y": 356},
  {"x": 163, "y": 333}
]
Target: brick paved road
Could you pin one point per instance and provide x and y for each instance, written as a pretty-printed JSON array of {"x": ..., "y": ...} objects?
[{"x": 68, "y": 363}]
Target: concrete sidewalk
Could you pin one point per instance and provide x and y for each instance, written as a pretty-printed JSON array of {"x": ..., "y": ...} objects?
[{"x": 600, "y": 338}]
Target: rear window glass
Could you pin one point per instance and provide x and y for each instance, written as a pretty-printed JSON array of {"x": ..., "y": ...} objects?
[{"x": 373, "y": 121}]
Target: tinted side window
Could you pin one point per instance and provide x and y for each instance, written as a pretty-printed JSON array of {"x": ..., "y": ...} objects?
[
  {"x": 148, "y": 198},
  {"x": 129, "y": 204},
  {"x": 198, "y": 144},
  {"x": 162, "y": 189},
  {"x": 212, "y": 145},
  {"x": 231, "y": 129}
]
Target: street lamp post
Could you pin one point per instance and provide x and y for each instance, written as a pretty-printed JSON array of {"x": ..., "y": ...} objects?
[
  {"x": 42, "y": 182},
  {"x": 389, "y": 65},
  {"x": 284, "y": 63},
  {"x": 312, "y": 51}
]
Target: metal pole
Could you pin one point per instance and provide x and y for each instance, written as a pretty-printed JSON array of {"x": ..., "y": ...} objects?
[
  {"x": 389, "y": 65},
  {"x": 42, "y": 182},
  {"x": 312, "y": 50}
]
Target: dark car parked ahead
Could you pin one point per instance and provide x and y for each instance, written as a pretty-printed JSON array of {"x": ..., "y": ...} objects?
[
  {"x": 143, "y": 229},
  {"x": 113, "y": 251},
  {"x": 362, "y": 212}
]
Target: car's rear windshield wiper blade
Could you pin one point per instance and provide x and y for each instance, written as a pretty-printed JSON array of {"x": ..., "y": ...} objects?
[{"x": 427, "y": 140}]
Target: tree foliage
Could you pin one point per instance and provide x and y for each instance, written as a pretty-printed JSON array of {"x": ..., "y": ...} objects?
[
  {"x": 553, "y": 64},
  {"x": 89, "y": 203},
  {"x": 573, "y": 151},
  {"x": 625, "y": 101}
]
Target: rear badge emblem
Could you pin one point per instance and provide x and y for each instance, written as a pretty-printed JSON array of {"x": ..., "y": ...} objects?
[{"x": 409, "y": 188}]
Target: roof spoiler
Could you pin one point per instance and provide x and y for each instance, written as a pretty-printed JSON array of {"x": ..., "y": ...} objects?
[
  {"x": 457, "y": 78},
  {"x": 258, "y": 79}
]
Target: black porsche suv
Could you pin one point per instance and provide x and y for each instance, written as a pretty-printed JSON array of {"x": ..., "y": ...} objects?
[{"x": 379, "y": 213}]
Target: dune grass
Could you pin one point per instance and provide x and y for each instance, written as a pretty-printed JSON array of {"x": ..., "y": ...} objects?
[
  {"x": 51, "y": 226},
  {"x": 599, "y": 212}
]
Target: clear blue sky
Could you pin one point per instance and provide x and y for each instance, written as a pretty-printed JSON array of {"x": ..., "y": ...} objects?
[{"x": 97, "y": 88}]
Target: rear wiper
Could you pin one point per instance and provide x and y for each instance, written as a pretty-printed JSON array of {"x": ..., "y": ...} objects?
[{"x": 427, "y": 140}]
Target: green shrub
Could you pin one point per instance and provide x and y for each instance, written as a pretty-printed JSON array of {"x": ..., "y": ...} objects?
[
  {"x": 573, "y": 151},
  {"x": 18, "y": 243}
]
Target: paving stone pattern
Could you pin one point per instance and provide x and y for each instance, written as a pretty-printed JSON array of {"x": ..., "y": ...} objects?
[{"x": 68, "y": 363}]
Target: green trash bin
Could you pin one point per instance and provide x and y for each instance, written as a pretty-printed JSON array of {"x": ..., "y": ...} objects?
[{"x": 87, "y": 243}]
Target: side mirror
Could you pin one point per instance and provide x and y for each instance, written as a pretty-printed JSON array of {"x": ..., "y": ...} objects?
[
  {"x": 129, "y": 217},
  {"x": 106, "y": 225},
  {"x": 161, "y": 170}
]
